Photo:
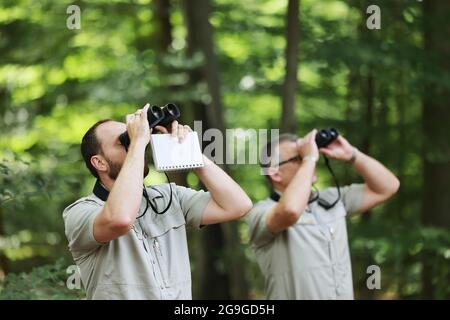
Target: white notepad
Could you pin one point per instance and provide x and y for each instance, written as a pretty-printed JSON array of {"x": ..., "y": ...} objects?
[{"x": 169, "y": 154}]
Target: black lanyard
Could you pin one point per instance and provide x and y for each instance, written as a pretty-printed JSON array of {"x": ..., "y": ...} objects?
[
  {"x": 276, "y": 197},
  {"x": 102, "y": 193},
  {"x": 323, "y": 203}
]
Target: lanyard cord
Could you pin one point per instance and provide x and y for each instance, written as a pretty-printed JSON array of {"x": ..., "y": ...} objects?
[
  {"x": 102, "y": 193},
  {"x": 276, "y": 197},
  {"x": 323, "y": 203},
  {"x": 148, "y": 202}
]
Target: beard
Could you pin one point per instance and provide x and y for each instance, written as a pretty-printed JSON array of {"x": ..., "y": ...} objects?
[{"x": 115, "y": 167}]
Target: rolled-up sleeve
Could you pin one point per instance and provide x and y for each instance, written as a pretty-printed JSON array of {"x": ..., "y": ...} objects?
[
  {"x": 193, "y": 204},
  {"x": 79, "y": 221},
  {"x": 259, "y": 234},
  {"x": 352, "y": 197}
]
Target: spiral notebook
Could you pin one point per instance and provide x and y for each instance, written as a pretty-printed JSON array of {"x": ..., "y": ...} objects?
[{"x": 169, "y": 154}]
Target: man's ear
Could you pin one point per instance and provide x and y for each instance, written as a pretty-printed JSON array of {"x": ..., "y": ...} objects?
[
  {"x": 99, "y": 163},
  {"x": 274, "y": 174}
]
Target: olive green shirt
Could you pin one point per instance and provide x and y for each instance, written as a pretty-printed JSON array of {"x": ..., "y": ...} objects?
[
  {"x": 310, "y": 259},
  {"x": 151, "y": 261}
]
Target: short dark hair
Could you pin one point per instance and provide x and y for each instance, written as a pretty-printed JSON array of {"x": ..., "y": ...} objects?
[
  {"x": 266, "y": 151},
  {"x": 90, "y": 146}
]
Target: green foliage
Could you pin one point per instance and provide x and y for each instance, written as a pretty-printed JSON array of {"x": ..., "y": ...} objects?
[
  {"x": 399, "y": 251},
  {"x": 44, "y": 283},
  {"x": 20, "y": 183},
  {"x": 55, "y": 83}
]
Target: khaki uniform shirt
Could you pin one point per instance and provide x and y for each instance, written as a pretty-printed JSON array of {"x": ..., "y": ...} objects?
[
  {"x": 310, "y": 259},
  {"x": 151, "y": 261}
]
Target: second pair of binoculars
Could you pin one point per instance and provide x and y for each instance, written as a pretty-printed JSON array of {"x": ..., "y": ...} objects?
[
  {"x": 156, "y": 116},
  {"x": 326, "y": 136}
]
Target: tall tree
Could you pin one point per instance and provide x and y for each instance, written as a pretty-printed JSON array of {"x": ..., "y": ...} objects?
[
  {"x": 163, "y": 36},
  {"x": 288, "y": 122},
  {"x": 4, "y": 263},
  {"x": 163, "y": 27},
  {"x": 200, "y": 10},
  {"x": 215, "y": 238},
  {"x": 436, "y": 115},
  {"x": 369, "y": 103}
]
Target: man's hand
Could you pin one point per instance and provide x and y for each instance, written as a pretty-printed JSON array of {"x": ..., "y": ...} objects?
[
  {"x": 380, "y": 183},
  {"x": 307, "y": 146},
  {"x": 177, "y": 130},
  {"x": 137, "y": 126},
  {"x": 339, "y": 149}
]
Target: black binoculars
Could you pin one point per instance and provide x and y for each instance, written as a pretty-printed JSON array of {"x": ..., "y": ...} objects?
[
  {"x": 156, "y": 116},
  {"x": 326, "y": 136}
]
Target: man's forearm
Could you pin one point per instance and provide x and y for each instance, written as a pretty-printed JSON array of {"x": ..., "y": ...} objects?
[
  {"x": 126, "y": 194},
  {"x": 296, "y": 196},
  {"x": 294, "y": 199},
  {"x": 224, "y": 190},
  {"x": 376, "y": 176}
]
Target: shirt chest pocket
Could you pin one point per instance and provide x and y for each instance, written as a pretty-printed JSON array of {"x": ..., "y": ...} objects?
[
  {"x": 331, "y": 216},
  {"x": 171, "y": 254},
  {"x": 306, "y": 218},
  {"x": 166, "y": 245},
  {"x": 155, "y": 225}
]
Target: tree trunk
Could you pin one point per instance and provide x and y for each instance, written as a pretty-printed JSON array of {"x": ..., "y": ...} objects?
[
  {"x": 436, "y": 114},
  {"x": 215, "y": 238},
  {"x": 4, "y": 263},
  {"x": 370, "y": 101},
  {"x": 401, "y": 104},
  {"x": 288, "y": 121},
  {"x": 163, "y": 36},
  {"x": 163, "y": 27},
  {"x": 200, "y": 11},
  {"x": 353, "y": 80}
]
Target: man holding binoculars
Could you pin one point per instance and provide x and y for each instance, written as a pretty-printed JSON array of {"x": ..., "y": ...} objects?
[
  {"x": 299, "y": 236},
  {"x": 123, "y": 249}
]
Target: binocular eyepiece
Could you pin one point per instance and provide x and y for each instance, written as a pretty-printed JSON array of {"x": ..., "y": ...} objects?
[
  {"x": 156, "y": 116},
  {"x": 326, "y": 136}
]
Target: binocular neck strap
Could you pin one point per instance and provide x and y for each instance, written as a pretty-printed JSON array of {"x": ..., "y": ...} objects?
[
  {"x": 324, "y": 204},
  {"x": 100, "y": 191},
  {"x": 275, "y": 196}
]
